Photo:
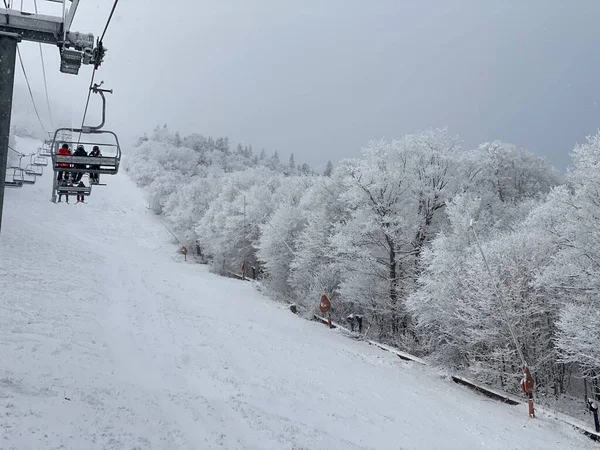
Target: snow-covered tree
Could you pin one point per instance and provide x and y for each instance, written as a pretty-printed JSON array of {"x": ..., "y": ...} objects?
[
  {"x": 462, "y": 320},
  {"x": 394, "y": 194},
  {"x": 315, "y": 270},
  {"x": 278, "y": 235},
  {"x": 225, "y": 234},
  {"x": 572, "y": 219}
]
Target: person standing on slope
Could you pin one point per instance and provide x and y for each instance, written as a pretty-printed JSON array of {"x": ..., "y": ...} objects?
[{"x": 593, "y": 407}]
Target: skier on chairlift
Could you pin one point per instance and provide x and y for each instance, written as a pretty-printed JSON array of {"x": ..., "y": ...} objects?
[
  {"x": 80, "y": 196},
  {"x": 95, "y": 177},
  {"x": 62, "y": 176},
  {"x": 79, "y": 152}
]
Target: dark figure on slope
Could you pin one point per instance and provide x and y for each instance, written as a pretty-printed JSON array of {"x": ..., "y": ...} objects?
[
  {"x": 355, "y": 321},
  {"x": 593, "y": 407}
]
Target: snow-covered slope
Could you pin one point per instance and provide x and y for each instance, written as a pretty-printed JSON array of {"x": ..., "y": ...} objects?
[{"x": 109, "y": 341}]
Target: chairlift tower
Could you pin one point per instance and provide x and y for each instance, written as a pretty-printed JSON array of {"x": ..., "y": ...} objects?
[{"x": 75, "y": 49}]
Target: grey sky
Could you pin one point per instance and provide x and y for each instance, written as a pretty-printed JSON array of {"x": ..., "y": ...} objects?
[{"x": 321, "y": 78}]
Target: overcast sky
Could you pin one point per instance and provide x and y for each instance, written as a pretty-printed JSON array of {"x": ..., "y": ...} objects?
[{"x": 322, "y": 78}]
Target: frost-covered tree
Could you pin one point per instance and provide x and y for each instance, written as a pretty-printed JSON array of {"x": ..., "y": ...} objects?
[
  {"x": 462, "y": 321},
  {"x": 224, "y": 232},
  {"x": 222, "y": 145},
  {"x": 572, "y": 219},
  {"x": 394, "y": 194},
  {"x": 328, "y": 169},
  {"x": 278, "y": 235},
  {"x": 314, "y": 269}
]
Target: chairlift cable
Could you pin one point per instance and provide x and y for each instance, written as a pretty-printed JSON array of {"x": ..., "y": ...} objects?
[
  {"x": 500, "y": 297},
  {"x": 109, "y": 19},
  {"x": 44, "y": 73},
  {"x": 29, "y": 88},
  {"x": 17, "y": 152},
  {"x": 87, "y": 103}
]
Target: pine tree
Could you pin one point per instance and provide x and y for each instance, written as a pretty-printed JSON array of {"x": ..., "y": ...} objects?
[
  {"x": 292, "y": 162},
  {"x": 222, "y": 145},
  {"x": 328, "y": 169}
]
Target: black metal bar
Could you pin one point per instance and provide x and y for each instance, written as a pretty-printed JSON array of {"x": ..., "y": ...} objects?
[{"x": 8, "y": 54}]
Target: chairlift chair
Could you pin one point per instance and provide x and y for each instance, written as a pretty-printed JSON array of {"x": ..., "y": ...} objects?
[
  {"x": 28, "y": 178},
  {"x": 35, "y": 170},
  {"x": 65, "y": 189},
  {"x": 44, "y": 151},
  {"x": 38, "y": 160},
  {"x": 15, "y": 180},
  {"x": 108, "y": 165}
]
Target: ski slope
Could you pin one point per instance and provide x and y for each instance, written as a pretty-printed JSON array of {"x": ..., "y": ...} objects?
[{"x": 109, "y": 341}]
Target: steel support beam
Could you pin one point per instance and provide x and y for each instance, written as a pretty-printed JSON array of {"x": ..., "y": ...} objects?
[
  {"x": 8, "y": 53},
  {"x": 32, "y": 27},
  {"x": 71, "y": 14}
]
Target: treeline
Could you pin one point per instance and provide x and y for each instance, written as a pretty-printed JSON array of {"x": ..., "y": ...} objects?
[{"x": 389, "y": 236}]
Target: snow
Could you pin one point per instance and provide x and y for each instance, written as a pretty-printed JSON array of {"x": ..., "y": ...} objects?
[{"x": 108, "y": 340}]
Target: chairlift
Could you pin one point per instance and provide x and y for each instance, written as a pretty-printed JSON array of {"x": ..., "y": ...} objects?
[
  {"x": 110, "y": 149},
  {"x": 15, "y": 179},
  {"x": 67, "y": 189},
  {"x": 32, "y": 169},
  {"x": 28, "y": 178},
  {"x": 107, "y": 164},
  {"x": 44, "y": 151},
  {"x": 38, "y": 160}
]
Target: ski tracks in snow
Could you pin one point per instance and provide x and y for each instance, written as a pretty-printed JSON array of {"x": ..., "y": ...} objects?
[{"x": 106, "y": 342}]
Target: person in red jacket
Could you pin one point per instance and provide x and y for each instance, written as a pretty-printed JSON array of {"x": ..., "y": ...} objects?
[{"x": 63, "y": 151}]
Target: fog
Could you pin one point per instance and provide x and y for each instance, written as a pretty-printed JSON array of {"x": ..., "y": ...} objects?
[{"x": 320, "y": 79}]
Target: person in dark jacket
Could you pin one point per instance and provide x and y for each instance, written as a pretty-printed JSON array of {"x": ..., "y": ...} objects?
[
  {"x": 95, "y": 177},
  {"x": 79, "y": 152}
]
